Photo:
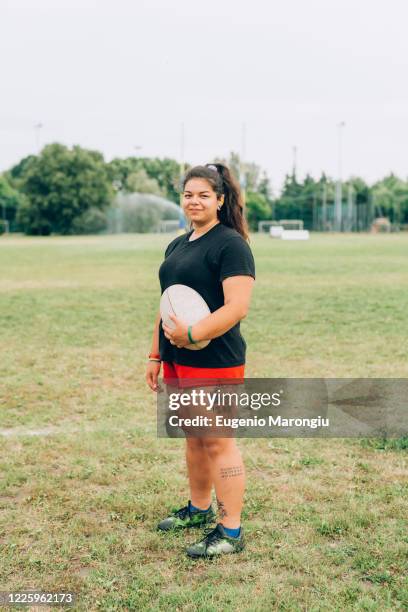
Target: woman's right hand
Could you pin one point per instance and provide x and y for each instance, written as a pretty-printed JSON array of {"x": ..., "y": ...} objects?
[{"x": 152, "y": 374}]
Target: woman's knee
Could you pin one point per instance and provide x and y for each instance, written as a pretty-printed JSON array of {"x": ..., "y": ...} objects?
[{"x": 218, "y": 446}]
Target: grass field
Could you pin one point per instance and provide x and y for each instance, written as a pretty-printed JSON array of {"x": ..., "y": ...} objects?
[{"x": 84, "y": 478}]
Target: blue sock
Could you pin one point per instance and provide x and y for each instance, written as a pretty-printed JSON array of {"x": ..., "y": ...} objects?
[
  {"x": 195, "y": 509},
  {"x": 232, "y": 533}
]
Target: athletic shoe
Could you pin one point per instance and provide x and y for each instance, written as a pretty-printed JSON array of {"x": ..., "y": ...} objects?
[
  {"x": 185, "y": 517},
  {"x": 216, "y": 542}
]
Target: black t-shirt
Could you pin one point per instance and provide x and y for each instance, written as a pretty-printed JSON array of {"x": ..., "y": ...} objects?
[{"x": 203, "y": 264}]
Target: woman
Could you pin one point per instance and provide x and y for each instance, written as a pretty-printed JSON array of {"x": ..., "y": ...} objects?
[{"x": 214, "y": 259}]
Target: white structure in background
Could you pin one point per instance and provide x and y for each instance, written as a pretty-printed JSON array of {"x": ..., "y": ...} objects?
[
  {"x": 295, "y": 235},
  {"x": 286, "y": 229},
  {"x": 276, "y": 231}
]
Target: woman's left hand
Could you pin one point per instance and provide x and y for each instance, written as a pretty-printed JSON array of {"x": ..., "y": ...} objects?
[{"x": 177, "y": 335}]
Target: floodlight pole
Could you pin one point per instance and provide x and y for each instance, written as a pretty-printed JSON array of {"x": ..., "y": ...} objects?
[
  {"x": 350, "y": 208},
  {"x": 181, "y": 159},
  {"x": 324, "y": 207},
  {"x": 294, "y": 150},
  {"x": 338, "y": 206}
]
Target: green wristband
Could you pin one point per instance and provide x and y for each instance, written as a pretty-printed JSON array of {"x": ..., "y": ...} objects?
[{"x": 190, "y": 337}]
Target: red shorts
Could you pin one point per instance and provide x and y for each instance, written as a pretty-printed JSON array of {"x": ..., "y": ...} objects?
[{"x": 181, "y": 375}]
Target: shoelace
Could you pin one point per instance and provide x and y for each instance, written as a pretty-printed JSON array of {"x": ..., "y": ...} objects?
[
  {"x": 211, "y": 536},
  {"x": 182, "y": 513}
]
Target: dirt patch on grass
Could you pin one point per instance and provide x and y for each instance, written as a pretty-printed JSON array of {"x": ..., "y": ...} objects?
[
  {"x": 21, "y": 431},
  {"x": 83, "y": 572},
  {"x": 8, "y": 285}
]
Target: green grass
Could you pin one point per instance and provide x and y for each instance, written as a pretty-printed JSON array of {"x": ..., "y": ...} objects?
[{"x": 326, "y": 519}]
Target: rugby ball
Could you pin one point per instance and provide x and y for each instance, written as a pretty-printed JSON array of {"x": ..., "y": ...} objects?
[{"x": 186, "y": 304}]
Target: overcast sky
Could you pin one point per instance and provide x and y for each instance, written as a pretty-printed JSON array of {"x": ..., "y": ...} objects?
[{"x": 118, "y": 74}]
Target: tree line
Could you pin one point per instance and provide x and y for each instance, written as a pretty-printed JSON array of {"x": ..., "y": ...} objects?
[{"x": 70, "y": 191}]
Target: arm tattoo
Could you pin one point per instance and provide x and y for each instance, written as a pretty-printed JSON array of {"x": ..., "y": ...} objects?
[
  {"x": 221, "y": 509},
  {"x": 228, "y": 472}
]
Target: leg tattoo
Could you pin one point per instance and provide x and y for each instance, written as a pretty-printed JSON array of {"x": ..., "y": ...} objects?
[
  {"x": 221, "y": 509},
  {"x": 229, "y": 472}
]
